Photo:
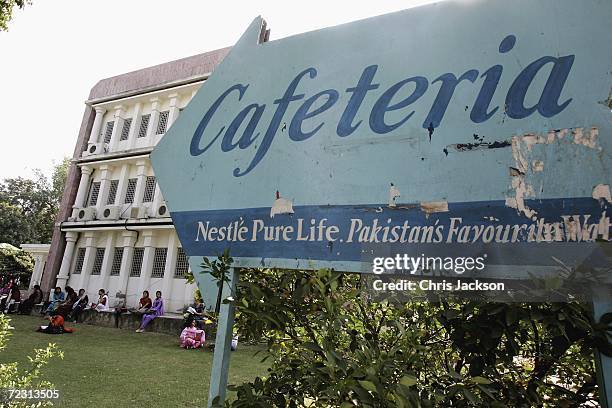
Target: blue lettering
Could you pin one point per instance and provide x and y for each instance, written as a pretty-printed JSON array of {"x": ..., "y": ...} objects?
[
  {"x": 295, "y": 129},
  {"x": 377, "y": 116},
  {"x": 345, "y": 125}
]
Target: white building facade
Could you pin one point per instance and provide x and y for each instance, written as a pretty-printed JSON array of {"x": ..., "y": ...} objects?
[{"x": 117, "y": 232}]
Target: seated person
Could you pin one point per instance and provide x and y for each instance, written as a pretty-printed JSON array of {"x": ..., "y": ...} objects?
[
  {"x": 54, "y": 302},
  {"x": 144, "y": 304},
  {"x": 103, "y": 303},
  {"x": 56, "y": 326},
  {"x": 35, "y": 298},
  {"x": 80, "y": 305},
  {"x": 15, "y": 297},
  {"x": 156, "y": 310},
  {"x": 192, "y": 337},
  {"x": 66, "y": 306}
]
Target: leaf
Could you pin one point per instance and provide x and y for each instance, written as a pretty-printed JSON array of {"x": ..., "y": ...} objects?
[
  {"x": 408, "y": 380},
  {"x": 368, "y": 385},
  {"x": 481, "y": 380}
]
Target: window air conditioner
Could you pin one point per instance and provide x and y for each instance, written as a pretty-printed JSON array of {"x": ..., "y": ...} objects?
[
  {"x": 86, "y": 214},
  {"x": 110, "y": 212}
]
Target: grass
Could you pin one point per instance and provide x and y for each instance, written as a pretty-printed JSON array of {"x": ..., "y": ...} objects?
[{"x": 107, "y": 367}]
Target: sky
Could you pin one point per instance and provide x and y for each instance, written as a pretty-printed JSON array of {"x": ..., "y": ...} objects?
[{"x": 56, "y": 51}]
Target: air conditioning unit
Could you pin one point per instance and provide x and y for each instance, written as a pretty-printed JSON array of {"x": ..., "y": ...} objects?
[
  {"x": 160, "y": 212},
  {"x": 96, "y": 148},
  {"x": 110, "y": 212},
  {"x": 86, "y": 214},
  {"x": 138, "y": 212}
]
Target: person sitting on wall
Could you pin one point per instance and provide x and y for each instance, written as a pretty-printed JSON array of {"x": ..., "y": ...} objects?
[
  {"x": 144, "y": 304},
  {"x": 156, "y": 310},
  {"x": 35, "y": 298},
  {"x": 192, "y": 337},
  {"x": 66, "y": 306},
  {"x": 81, "y": 303},
  {"x": 15, "y": 297},
  {"x": 102, "y": 305},
  {"x": 56, "y": 326},
  {"x": 56, "y": 300}
]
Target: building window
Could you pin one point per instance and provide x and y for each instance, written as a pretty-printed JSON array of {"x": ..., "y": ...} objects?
[
  {"x": 117, "y": 258},
  {"x": 93, "y": 193},
  {"x": 137, "y": 262},
  {"x": 80, "y": 258},
  {"x": 182, "y": 264},
  {"x": 97, "y": 266},
  {"x": 163, "y": 121},
  {"x": 149, "y": 192},
  {"x": 112, "y": 192},
  {"x": 125, "y": 130},
  {"x": 144, "y": 125},
  {"x": 108, "y": 132},
  {"x": 131, "y": 189},
  {"x": 159, "y": 262}
]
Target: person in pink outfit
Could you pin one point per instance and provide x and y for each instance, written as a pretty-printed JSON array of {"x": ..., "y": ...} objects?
[{"x": 192, "y": 337}]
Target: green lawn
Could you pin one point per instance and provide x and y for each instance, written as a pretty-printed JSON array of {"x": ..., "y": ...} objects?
[{"x": 106, "y": 367}]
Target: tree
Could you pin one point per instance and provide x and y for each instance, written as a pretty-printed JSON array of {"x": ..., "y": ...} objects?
[
  {"x": 6, "y": 11},
  {"x": 28, "y": 207},
  {"x": 17, "y": 263},
  {"x": 331, "y": 344}
]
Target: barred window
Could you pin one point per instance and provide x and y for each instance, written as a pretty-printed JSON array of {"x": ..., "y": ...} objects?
[
  {"x": 159, "y": 262},
  {"x": 137, "y": 262},
  {"x": 182, "y": 264},
  {"x": 144, "y": 125},
  {"x": 149, "y": 192},
  {"x": 80, "y": 258},
  {"x": 108, "y": 132},
  {"x": 117, "y": 258},
  {"x": 125, "y": 130},
  {"x": 163, "y": 122},
  {"x": 112, "y": 192},
  {"x": 131, "y": 189},
  {"x": 97, "y": 266},
  {"x": 94, "y": 192}
]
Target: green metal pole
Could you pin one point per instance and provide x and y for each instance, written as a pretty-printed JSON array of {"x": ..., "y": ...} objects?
[{"x": 221, "y": 358}]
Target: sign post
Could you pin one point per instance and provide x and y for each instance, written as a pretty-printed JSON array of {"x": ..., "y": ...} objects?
[
  {"x": 221, "y": 358},
  {"x": 458, "y": 129}
]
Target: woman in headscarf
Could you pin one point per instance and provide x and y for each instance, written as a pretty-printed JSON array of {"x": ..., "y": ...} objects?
[
  {"x": 102, "y": 305},
  {"x": 58, "y": 297},
  {"x": 156, "y": 310},
  {"x": 56, "y": 326},
  {"x": 80, "y": 305},
  {"x": 35, "y": 298},
  {"x": 66, "y": 306}
]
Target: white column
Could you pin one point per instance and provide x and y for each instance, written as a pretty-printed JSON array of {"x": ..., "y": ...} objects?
[
  {"x": 105, "y": 172},
  {"x": 147, "y": 261},
  {"x": 117, "y": 128},
  {"x": 174, "y": 109},
  {"x": 97, "y": 126},
  {"x": 141, "y": 172},
  {"x": 157, "y": 198},
  {"x": 79, "y": 201},
  {"x": 169, "y": 270},
  {"x": 129, "y": 241},
  {"x": 122, "y": 186},
  {"x": 109, "y": 252},
  {"x": 152, "y": 129},
  {"x": 135, "y": 125},
  {"x": 90, "y": 255},
  {"x": 64, "y": 272}
]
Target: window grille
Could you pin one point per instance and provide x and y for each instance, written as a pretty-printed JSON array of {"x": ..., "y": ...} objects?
[
  {"x": 108, "y": 132},
  {"x": 137, "y": 262},
  {"x": 125, "y": 130},
  {"x": 182, "y": 264},
  {"x": 112, "y": 192},
  {"x": 163, "y": 122},
  {"x": 93, "y": 194},
  {"x": 159, "y": 262},
  {"x": 131, "y": 190},
  {"x": 97, "y": 266},
  {"x": 144, "y": 125},
  {"x": 149, "y": 192},
  {"x": 80, "y": 258},
  {"x": 117, "y": 258}
]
